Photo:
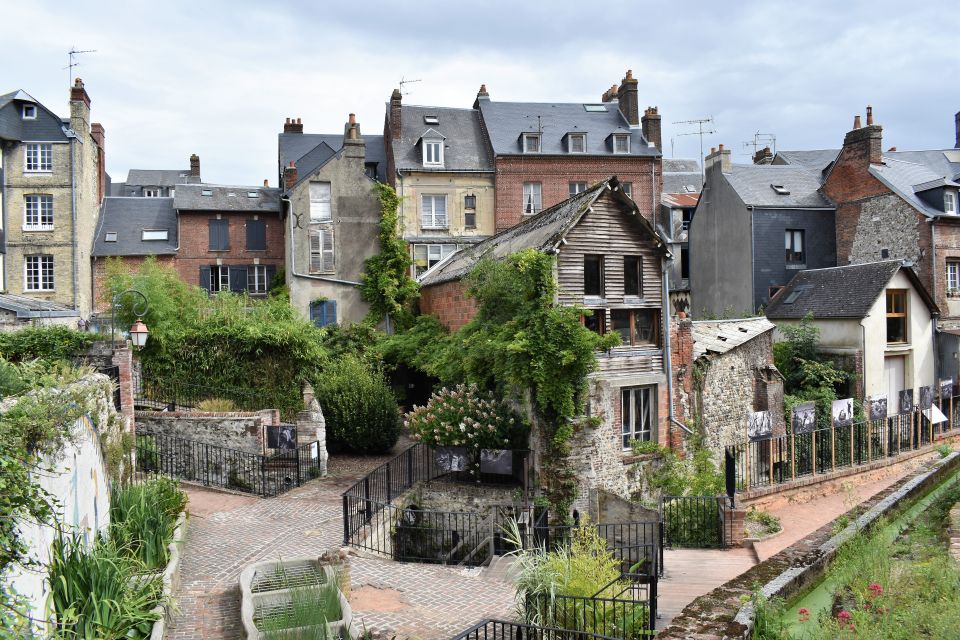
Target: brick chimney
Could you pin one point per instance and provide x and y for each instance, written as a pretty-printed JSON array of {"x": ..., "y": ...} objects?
[
  {"x": 627, "y": 98},
  {"x": 864, "y": 143},
  {"x": 293, "y": 126},
  {"x": 651, "y": 127},
  {"x": 266, "y": 183},
  {"x": 719, "y": 158},
  {"x": 354, "y": 149},
  {"x": 763, "y": 156},
  {"x": 289, "y": 176},
  {"x": 79, "y": 108},
  {"x": 481, "y": 95},
  {"x": 194, "y": 166},
  {"x": 610, "y": 94},
  {"x": 956, "y": 125},
  {"x": 99, "y": 137},
  {"x": 396, "y": 100}
]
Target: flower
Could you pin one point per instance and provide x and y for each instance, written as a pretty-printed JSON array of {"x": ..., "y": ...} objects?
[
  {"x": 844, "y": 617},
  {"x": 875, "y": 590},
  {"x": 804, "y": 614}
]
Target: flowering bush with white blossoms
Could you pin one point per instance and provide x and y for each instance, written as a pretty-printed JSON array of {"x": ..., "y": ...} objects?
[{"x": 465, "y": 416}]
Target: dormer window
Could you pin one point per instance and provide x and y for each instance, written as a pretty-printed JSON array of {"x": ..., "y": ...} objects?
[
  {"x": 780, "y": 189},
  {"x": 576, "y": 143},
  {"x": 433, "y": 153},
  {"x": 950, "y": 203},
  {"x": 621, "y": 143},
  {"x": 29, "y": 112},
  {"x": 531, "y": 143}
]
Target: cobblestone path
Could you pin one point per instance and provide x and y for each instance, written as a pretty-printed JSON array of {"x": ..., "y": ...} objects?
[{"x": 228, "y": 532}]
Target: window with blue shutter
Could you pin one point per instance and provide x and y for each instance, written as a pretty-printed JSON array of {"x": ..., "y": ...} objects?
[
  {"x": 256, "y": 235},
  {"x": 219, "y": 238},
  {"x": 323, "y": 313}
]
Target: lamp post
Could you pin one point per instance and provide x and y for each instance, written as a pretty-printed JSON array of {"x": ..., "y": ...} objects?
[{"x": 139, "y": 331}]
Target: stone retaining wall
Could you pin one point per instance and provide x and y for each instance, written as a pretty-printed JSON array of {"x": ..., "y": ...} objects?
[{"x": 236, "y": 430}]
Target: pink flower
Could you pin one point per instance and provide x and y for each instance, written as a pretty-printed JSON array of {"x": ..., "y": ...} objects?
[
  {"x": 844, "y": 617},
  {"x": 875, "y": 589},
  {"x": 804, "y": 614}
]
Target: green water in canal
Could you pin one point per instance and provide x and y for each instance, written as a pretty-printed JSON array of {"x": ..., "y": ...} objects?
[{"x": 820, "y": 597}]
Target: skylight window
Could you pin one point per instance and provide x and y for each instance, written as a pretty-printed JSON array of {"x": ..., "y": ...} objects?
[
  {"x": 595, "y": 108},
  {"x": 780, "y": 189},
  {"x": 792, "y": 297},
  {"x": 431, "y": 120},
  {"x": 154, "y": 234},
  {"x": 206, "y": 192},
  {"x": 111, "y": 236},
  {"x": 252, "y": 194}
]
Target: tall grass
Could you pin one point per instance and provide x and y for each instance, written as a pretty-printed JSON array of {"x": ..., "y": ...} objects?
[
  {"x": 143, "y": 519},
  {"x": 306, "y": 617}
]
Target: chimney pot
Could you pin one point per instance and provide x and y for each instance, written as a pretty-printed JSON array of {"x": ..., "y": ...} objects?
[
  {"x": 856, "y": 122},
  {"x": 629, "y": 74},
  {"x": 720, "y": 147},
  {"x": 892, "y": 149},
  {"x": 353, "y": 119},
  {"x": 713, "y": 150},
  {"x": 194, "y": 166},
  {"x": 266, "y": 183},
  {"x": 483, "y": 88},
  {"x": 869, "y": 116},
  {"x": 293, "y": 125}
]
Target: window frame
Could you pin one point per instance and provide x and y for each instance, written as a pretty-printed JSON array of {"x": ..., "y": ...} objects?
[
  {"x": 251, "y": 236},
  {"x": 599, "y": 318},
  {"x": 323, "y": 319},
  {"x": 321, "y": 204},
  {"x": 636, "y": 271},
  {"x": 537, "y": 138},
  {"x": 531, "y": 208},
  {"x": 627, "y": 188},
  {"x": 44, "y": 268},
  {"x": 257, "y": 275},
  {"x": 322, "y": 251},
  {"x": 949, "y": 203},
  {"x": 223, "y": 223},
  {"x": 23, "y": 112},
  {"x": 582, "y": 137},
  {"x": 789, "y": 241},
  {"x": 576, "y": 187},
  {"x": 445, "y": 249},
  {"x": 40, "y": 212},
  {"x": 144, "y": 232},
  {"x": 633, "y": 313},
  {"x": 219, "y": 278},
  {"x": 427, "y": 145},
  {"x": 433, "y": 217},
  {"x": 953, "y": 278},
  {"x": 43, "y": 157},
  {"x": 470, "y": 211},
  {"x": 629, "y": 427},
  {"x": 598, "y": 260},
  {"x": 901, "y": 317},
  {"x": 618, "y": 138}
]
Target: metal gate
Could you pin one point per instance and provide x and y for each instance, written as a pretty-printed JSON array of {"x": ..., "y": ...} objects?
[{"x": 699, "y": 522}]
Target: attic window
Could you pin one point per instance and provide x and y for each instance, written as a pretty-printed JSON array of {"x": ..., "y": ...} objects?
[
  {"x": 576, "y": 143},
  {"x": 252, "y": 194},
  {"x": 779, "y": 188},
  {"x": 111, "y": 236},
  {"x": 29, "y": 112},
  {"x": 206, "y": 192},
  {"x": 154, "y": 234},
  {"x": 621, "y": 143},
  {"x": 431, "y": 120},
  {"x": 531, "y": 143},
  {"x": 595, "y": 108}
]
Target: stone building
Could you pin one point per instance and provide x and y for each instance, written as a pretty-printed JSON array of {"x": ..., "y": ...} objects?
[
  {"x": 53, "y": 180},
  {"x": 439, "y": 164},
  {"x": 754, "y": 227},
  {"x": 332, "y": 216},
  {"x": 609, "y": 259}
]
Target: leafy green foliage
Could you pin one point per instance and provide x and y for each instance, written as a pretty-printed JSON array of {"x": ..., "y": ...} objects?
[
  {"x": 467, "y": 416},
  {"x": 143, "y": 519},
  {"x": 47, "y": 343},
  {"x": 386, "y": 283},
  {"x": 360, "y": 411}
]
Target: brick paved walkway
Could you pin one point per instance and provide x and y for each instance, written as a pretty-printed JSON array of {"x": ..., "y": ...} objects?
[{"x": 228, "y": 532}]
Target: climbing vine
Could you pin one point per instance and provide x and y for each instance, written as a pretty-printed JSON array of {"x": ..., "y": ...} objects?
[{"x": 386, "y": 283}]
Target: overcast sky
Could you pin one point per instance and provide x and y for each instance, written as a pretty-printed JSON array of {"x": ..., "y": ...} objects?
[{"x": 217, "y": 78}]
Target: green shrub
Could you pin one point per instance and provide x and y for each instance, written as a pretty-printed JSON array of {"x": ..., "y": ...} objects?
[
  {"x": 360, "y": 410},
  {"x": 467, "y": 416},
  {"x": 218, "y": 405},
  {"x": 143, "y": 519},
  {"x": 46, "y": 343},
  {"x": 944, "y": 450}
]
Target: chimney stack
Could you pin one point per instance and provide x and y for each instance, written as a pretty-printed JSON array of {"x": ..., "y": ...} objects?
[
  {"x": 289, "y": 176},
  {"x": 627, "y": 99},
  {"x": 266, "y": 183},
  {"x": 354, "y": 149},
  {"x": 609, "y": 94},
  {"x": 720, "y": 158},
  {"x": 395, "y": 101},
  {"x": 864, "y": 143},
  {"x": 763, "y": 156},
  {"x": 293, "y": 126},
  {"x": 79, "y": 108},
  {"x": 481, "y": 95},
  {"x": 194, "y": 166},
  {"x": 99, "y": 136},
  {"x": 956, "y": 125},
  {"x": 652, "y": 128}
]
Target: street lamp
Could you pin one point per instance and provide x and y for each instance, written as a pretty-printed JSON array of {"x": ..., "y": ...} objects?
[{"x": 139, "y": 331}]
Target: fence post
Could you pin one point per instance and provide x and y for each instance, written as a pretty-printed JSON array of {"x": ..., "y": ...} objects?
[
  {"x": 853, "y": 432},
  {"x": 833, "y": 447},
  {"x": 389, "y": 481},
  {"x": 409, "y": 467},
  {"x": 869, "y": 441},
  {"x": 813, "y": 450},
  {"x": 793, "y": 458},
  {"x": 771, "y": 461},
  {"x": 346, "y": 520},
  {"x": 366, "y": 497},
  {"x": 747, "y": 457},
  {"x": 913, "y": 428}
]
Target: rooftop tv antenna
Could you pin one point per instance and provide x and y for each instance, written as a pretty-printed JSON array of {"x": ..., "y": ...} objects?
[
  {"x": 73, "y": 62},
  {"x": 700, "y": 132},
  {"x": 761, "y": 140},
  {"x": 404, "y": 81}
]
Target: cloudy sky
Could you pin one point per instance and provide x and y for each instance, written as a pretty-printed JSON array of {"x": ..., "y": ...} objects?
[{"x": 217, "y": 77}]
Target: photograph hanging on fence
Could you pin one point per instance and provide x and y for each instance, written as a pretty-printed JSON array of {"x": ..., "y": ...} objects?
[
  {"x": 450, "y": 459},
  {"x": 946, "y": 389},
  {"x": 758, "y": 425},
  {"x": 926, "y": 397},
  {"x": 496, "y": 461},
  {"x": 842, "y": 412},
  {"x": 282, "y": 437},
  {"x": 906, "y": 401},
  {"x": 878, "y": 407},
  {"x": 804, "y": 417}
]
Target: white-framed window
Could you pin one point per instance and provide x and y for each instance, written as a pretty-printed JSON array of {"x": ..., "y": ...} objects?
[
  {"x": 38, "y": 273},
  {"x": 427, "y": 255},
  {"x": 219, "y": 278},
  {"x": 532, "y": 198},
  {"x": 577, "y": 187},
  {"x": 172, "y": 193},
  {"x": 37, "y": 212},
  {"x": 154, "y": 234},
  {"x": 257, "y": 278},
  {"x": 577, "y": 143},
  {"x": 320, "y": 199},
  {"x": 953, "y": 279},
  {"x": 531, "y": 143},
  {"x": 110, "y": 236},
  {"x": 638, "y": 414},
  {"x": 321, "y": 251},
  {"x": 39, "y": 157},
  {"x": 627, "y": 188},
  {"x": 950, "y": 202},
  {"x": 151, "y": 193},
  {"x": 433, "y": 211},
  {"x": 793, "y": 243},
  {"x": 470, "y": 211},
  {"x": 29, "y": 112},
  {"x": 433, "y": 153},
  {"x": 621, "y": 143}
]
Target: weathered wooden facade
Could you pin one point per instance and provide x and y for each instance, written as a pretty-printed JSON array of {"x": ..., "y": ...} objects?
[{"x": 610, "y": 261}]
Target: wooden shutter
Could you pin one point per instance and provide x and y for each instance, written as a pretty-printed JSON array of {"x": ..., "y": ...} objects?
[
  {"x": 316, "y": 262},
  {"x": 326, "y": 248},
  {"x": 271, "y": 273},
  {"x": 205, "y": 278},
  {"x": 256, "y": 235},
  {"x": 238, "y": 279}
]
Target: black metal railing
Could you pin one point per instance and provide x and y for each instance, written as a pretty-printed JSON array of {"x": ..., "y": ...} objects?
[
  {"x": 699, "y": 522},
  {"x": 150, "y": 393},
  {"x": 785, "y": 458},
  {"x": 215, "y": 466},
  {"x": 503, "y": 630},
  {"x": 637, "y": 545}
]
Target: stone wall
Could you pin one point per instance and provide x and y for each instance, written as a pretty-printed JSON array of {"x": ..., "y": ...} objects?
[{"x": 238, "y": 431}]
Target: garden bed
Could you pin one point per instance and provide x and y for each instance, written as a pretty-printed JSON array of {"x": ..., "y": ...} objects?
[{"x": 171, "y": 579}]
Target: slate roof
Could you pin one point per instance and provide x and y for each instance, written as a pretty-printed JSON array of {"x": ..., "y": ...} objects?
[
  {"x": 840, "y": 292},
  {"x": 813, "y": 159},
  {"x": 128, "y": 217},
  {"x": 310, "y": 151},
  {"x": 720, "y": 336},
  {"x": 157, "y": 177},
  {"x": 506, "y": 121},
  {"x": 681, "y": 176},
  {"x": 26, "y": 307},
  {"x": 752, "y": 183},
  {"x": 904, "y": 171},
  {"x": 225, "y": 198},
  {"x": 464, "y": 148},
  {"x": 46, "y": 127},
  {"x": 541, "y": 232}
]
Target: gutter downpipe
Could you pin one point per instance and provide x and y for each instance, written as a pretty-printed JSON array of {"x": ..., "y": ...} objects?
[
  {"x": 293, "y": 254},
  {"x": 933, "y": 319},
  {"x": 3, "y": 211},
  {"x": 669, "y": 360},
  {"x": 73, "y": 217}
]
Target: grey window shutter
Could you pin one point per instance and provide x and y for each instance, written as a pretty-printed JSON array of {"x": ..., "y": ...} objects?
[
  {"x": 271, "y": 273},
  {"x": 224, "y": 234},
  {"x": 205, "y": 278},
  {"x": 256, "y": 235},
  {"x": 214, "y": 227},
  {"x": 331, "y": 312},
  {"x": 238, "y": 279}
]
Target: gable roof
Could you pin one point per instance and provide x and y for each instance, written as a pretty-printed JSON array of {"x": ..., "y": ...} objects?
[
  {"x": 506, "y": 121},
  {"x": 310, "y": 151},
  {"x": 128, "y": 217},
  {"x": 46, "y": 127},
  {"x": 542, "y": 232},
  {"x": 840, "y": 292},
  {"x": 191, "y": 197},
  {"x": 907, "y": 173},
  {"x": 682, "y": 176},
  {"x": 816, "y": 160},
  {"x": 752, "y": 182},
  {"x": 720, "y": 336},
  {"x": 464, "y": 149},
  {"x": 157, "y": 177}
]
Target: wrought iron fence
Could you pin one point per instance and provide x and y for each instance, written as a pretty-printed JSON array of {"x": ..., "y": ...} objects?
[
  {"x": 637, "y": 545},
  {"x": 214, "y": 466},
  {"x": 503, "y": 630},
  {"x": 790, "y": 456},
  {"x": 181, "y": 396},
  {"x": 699, "y": 522}
]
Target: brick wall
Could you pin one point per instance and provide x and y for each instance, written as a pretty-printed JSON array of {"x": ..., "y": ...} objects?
[
  {"x": 101, "y": 295},
  {"x": 449, "y": 302},
  {"x": 195, "y": 243},
  {"x": 556, "y": 173}
]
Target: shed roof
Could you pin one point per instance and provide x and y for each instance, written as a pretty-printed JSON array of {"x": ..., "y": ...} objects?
[
  {"x": 720, "y": 336},
  {"x": 816, "y": 160},
  {"x": 127, "y": 218},
  {"x": 26, "y": 307}
]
